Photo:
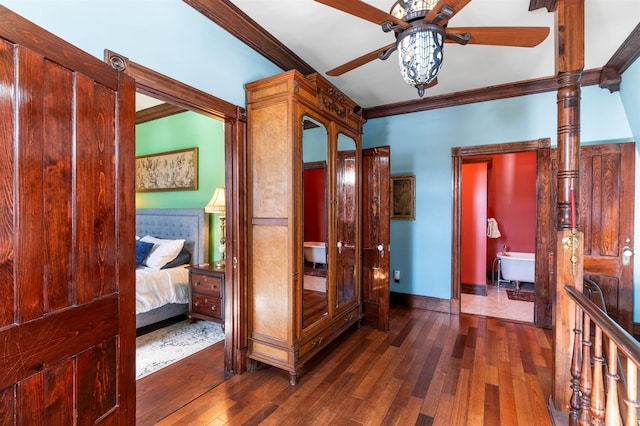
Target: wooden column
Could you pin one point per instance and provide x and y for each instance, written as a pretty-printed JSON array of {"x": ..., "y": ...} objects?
[{"x": 569, "y": 247}]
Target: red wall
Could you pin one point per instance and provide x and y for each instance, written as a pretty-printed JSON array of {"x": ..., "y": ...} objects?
[
  {"x": 474, "y": 219},
  {"x": 512, "y": 202},
  {"x": 314, "y": 209}
]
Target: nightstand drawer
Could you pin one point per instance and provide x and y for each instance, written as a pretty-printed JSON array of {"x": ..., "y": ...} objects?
[
  {"x": 207, "y": 305},
  {"x": 205, "y": 284}
]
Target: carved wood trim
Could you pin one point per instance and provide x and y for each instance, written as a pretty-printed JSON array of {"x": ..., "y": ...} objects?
[
  {"x": 503, "y": 91},
  {"x": 173, "y": 91},
  {"x": 156, "y": 112},
  {"x": 542, "y": 147},
  {"x": 167, "y": 89},
  {"x": 229, "y": 17}
]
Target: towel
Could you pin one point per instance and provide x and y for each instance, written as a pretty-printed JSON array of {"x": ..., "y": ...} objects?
[{"x": 492, "y": 228}]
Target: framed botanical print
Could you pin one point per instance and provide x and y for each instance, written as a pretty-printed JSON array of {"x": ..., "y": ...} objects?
[
  {"x": 168, "y": 171},
  {"x": 403, "y": 197}
]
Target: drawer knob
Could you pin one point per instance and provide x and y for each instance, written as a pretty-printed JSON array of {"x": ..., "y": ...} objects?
[
  {"x": 213, "y": 286},
  {"x": 213, "y": 308},
  {"x": 317, "y": 343},
  {"x": 197, "y": 283},
  {"x": 196, "y": 304}
]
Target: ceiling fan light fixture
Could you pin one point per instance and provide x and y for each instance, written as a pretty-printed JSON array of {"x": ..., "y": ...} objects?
[
  {"x": 409, "y": 10},
  {"x": 420, "y": 55}
]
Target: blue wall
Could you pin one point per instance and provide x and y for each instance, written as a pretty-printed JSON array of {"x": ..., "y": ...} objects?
[
  {"x": 174, "y": 39},
  {"x": 167, "y": 36},
  {"x": 421, "y": 145}
]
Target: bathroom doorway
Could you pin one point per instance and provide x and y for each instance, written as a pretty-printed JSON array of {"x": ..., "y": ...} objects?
[{"x": 498, "y": 214}]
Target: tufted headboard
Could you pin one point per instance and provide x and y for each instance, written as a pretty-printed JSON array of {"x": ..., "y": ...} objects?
[{"x": 192, "y": 225}]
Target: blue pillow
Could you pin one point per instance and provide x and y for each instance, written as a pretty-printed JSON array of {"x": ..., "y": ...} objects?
[{"x": 142, "y": 251}]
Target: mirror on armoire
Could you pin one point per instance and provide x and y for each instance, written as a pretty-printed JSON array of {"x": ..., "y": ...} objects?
[
  {"x": 346, "y": 219},
  {"x": 314, "y": 182}
]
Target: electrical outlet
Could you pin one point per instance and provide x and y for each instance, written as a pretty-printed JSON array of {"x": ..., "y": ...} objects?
[{"x": 396, "y": 276}]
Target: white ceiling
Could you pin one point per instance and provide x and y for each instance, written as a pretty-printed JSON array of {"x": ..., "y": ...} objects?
[
  {"x": 325, "y": 38},
  {"x": 144, "y": 101}
]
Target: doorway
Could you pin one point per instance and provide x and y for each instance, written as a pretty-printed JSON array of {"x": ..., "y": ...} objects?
[
  {"x": 498, "y": 224},
  {"x": 539, "y": 148},
  {"x": 173, "y": 92}
]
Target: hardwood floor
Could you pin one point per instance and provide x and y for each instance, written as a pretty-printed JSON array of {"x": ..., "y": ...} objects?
[
  {"x": 175, "y": 386},
  {"x": 430, "y": 369}
]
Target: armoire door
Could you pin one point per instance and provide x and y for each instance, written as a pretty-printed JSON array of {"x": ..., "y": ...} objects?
[
  {"x": 375, "y": 236},
  {"x": 66, "y": 233}
]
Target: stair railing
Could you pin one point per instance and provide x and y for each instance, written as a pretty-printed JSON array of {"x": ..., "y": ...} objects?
[{"x": 594, "y": 400}]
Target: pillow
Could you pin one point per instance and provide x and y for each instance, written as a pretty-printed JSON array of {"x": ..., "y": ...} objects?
[
  {"x": 142, "y": 251},
  {"x": 163, "y": 252},
  {"x": 183, "y": 258}
]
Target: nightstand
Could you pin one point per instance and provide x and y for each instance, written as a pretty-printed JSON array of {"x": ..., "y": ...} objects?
[{"x": 207, "y": 293}]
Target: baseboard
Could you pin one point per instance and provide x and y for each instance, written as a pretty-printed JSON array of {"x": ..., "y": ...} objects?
[{"x": 424, "y": 302}]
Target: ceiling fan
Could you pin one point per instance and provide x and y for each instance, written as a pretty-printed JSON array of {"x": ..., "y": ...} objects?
[{"x": 421, "y": 28}]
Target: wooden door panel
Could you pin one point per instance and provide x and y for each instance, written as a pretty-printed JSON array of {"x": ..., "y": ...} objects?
[
  {"x": 375, "y": 233},
  {"x": 66, "y": 233},
  {"x": 606, "y": 205},
  {"x": 346, "y": 226}
]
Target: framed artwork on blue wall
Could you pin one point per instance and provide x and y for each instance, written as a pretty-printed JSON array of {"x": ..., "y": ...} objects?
[
  {"x": 168, "y": 171},
  {"x": 403, "y": 197}
]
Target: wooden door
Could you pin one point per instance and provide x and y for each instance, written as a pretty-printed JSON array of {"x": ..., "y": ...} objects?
[
  {"x": 606, "y": 205},
  {"x": 375, "y": 236},
  {"x": 66, "y": 233},
  {"x": 346, "y": 226}
]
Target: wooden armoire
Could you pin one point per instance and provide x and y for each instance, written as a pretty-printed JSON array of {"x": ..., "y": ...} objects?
[{"x": 296, "y": 305}]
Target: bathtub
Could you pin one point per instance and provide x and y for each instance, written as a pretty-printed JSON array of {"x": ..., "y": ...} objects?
[
  {"x": 518, "y": 266},
  {"x": 315, "y": 252}
]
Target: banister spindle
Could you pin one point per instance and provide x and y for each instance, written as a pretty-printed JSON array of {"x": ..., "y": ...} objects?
[
  {"x": 597, "y": 394},
  {"x": 632, "y": 393},
  {"x": 613, "y": 410},
  {"x": 574, "y": 403},
  {"x": 585, "y": 373}
]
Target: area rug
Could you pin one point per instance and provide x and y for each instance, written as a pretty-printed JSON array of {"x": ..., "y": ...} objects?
[
  {"x": 167, "y": 345},
  {"x": 524, "y": 296}
]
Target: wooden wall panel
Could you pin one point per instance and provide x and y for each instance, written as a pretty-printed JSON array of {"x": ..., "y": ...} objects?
[
  {"x": 66, "y": 150},
  {"x": 96, "y": 370},
  {"x": 58, "y": 384},
  {"x": 30, "y": 219},
  {"x": 57, "y": 186},
  {"x": 7, "y": 311}
]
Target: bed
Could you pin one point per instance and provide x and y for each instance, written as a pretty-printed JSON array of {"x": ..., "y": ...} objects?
[{"x": 154, "y": 302}]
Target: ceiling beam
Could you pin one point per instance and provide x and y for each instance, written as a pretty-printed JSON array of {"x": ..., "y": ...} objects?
[
  {"x": 626, "y": 54},
  {"x": 491, "y": 93},
  {"x": 227, "y": 15}
]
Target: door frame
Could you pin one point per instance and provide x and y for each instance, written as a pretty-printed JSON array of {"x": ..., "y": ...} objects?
[
  {"x": 234, "y": 117},
  {"x": 542, "y": 310}
]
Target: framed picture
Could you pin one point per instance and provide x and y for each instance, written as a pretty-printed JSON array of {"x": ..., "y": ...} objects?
[
  {"x": 168, "y": 171},
  {"x": 403, "y": 197}
]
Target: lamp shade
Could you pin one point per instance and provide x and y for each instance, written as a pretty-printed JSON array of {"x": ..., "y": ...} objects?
[
  {"x": 420, "y": 55},
  {"x": 216, "y": 204}
]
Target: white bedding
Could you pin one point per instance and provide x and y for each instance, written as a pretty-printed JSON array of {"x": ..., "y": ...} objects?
[{"x": 157, "y": 288}]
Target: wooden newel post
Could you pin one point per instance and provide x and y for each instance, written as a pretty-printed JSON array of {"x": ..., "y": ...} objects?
[{"x": 569, "y": 253}]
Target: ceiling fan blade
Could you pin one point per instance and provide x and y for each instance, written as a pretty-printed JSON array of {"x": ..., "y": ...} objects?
[
  {"x": 355, "y": 63},
  {"x": 456, "y": 5},
  {"x": 365, "y": 11},
  {"x": 503, "y": 36}
]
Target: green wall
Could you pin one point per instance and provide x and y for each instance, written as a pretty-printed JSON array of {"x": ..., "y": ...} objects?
[{"x": 186, "y": 130}]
